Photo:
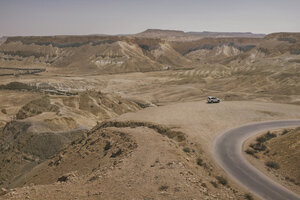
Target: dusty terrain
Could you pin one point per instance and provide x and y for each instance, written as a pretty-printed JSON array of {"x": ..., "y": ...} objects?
[{"x": 125, "y": 117}]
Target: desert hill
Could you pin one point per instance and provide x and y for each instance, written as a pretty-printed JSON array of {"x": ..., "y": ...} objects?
[
  {"x": 45, "y": 125},
  {"x": 110, "y": 152},
  {"x": 90, "y": 54}
]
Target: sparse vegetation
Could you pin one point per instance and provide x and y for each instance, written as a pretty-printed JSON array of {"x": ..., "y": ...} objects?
[
  {"x": 281, "y": 155},
  {"x": 248, "y": 196},
  {"x": 215, "y": 184},
  {"x": 176, "y": 135},
  {"x": 107, "y": 146},
  {"x": 117, "y": 153},
  {"x": 163, "y": 188},
  {"x": 265, "y": 137},
  {"x": 285, "y": 131},
  {"x": 62, "y": 179},
  {"x": 250, "y": 151},
  {"x": 200, "y": 162},
  {"x": 258, "y": 146},
  {"x": 17, "y": 86},
  {"x": 272, "y": 164},
  {"x": 221, "y": 180},
  {"x": 186, "y": 149},
  {"x": 3, "y": 110},
  {"x": 292, "y": 180}
]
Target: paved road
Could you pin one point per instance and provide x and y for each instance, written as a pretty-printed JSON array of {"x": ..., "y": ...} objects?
[{"x": 227, "y": 152}]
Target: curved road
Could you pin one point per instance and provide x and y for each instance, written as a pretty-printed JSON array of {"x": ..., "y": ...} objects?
[{"x": 227, "y": 151}]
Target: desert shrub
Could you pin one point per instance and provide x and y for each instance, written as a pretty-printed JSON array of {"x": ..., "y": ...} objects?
[
  {"x": 272, "y": 164},
  {"x": 248, "y": 196},
  {"x": 266, "y": 137},
  {"x": 261, "y": 139},
  {"x": 266, "y": 152},
  {"x": 17, "y": 86},
  {"x": 163, "y": 188},
  {"x": 62, "y": 179},
  {"x": 250, "y": 151},
  {"x": 186, "y": 149},
  {"x": 145, "y": 47},
  {"x": 221, "y": 180},
  {"x": 119, "y": 152},
  {"x": 3, "y": 110},
  {"x": 270, "y": 135},
  {"x": 200, "y": 162},
  {"x": 107, "y": 146},
  {"x": 292, "y": 180},
  {"x": 284, "y": 132},
  {"x": 258, "y": 146},
  {"x": 215, "y": 184}
]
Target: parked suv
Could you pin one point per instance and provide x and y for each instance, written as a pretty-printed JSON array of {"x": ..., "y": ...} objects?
[{"x": 213, "y": 100}]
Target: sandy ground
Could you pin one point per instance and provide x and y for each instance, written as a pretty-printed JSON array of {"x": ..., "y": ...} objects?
[
  {"x": 159, "y": 168},
  {"x": 203, "y": 122},
  {"x": 156, "y": 169}
]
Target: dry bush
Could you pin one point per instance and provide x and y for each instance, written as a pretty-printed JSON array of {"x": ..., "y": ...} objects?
[
  {"x": 272, "y": 164},
  {"x": 248, "y": 196},
  {"x": 215, "y": 184},
  {"x": 163, "y": 188},
  {"x": 186, "y": 149},
  {"x": 221, "y": 180},
  {"x": 3, "y": 110}
]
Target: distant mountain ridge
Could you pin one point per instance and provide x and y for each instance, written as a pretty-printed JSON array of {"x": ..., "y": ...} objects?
[
  {"x": 227, "y": 34},
  {"x": 178, "y": 35}
]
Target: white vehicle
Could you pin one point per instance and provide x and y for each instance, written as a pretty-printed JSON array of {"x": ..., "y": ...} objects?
[{"x": 213, "y": 100}]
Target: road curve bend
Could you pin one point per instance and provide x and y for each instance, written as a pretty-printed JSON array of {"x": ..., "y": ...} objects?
[{"x": 227, "y": 150}]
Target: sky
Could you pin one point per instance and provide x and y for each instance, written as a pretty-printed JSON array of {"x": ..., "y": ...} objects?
[{"x": 81, "y": 17}]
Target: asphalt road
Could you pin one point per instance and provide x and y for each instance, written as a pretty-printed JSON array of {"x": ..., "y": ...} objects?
[{"x": 227, "y": 151}]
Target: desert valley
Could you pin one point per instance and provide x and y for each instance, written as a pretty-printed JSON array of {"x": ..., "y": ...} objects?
[{"x": 126, "y": 116}]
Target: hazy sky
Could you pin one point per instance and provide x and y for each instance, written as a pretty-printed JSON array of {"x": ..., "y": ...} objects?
[{"x": 55, "y": 17}]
